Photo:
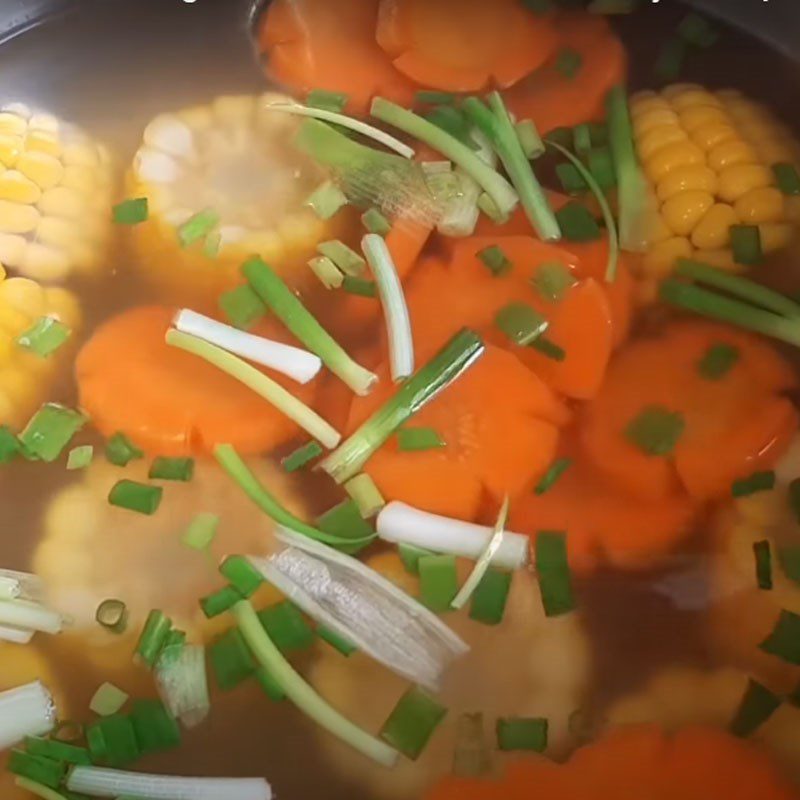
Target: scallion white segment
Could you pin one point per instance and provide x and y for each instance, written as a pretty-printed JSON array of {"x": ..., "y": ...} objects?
[
  {"x": 404, "y": 524},
  {"x": 395, "y": 311},
  {"x": 28, "y": 710},
  {"x": 15, "y": 635},
  {"x": 298, "y": 364},
  {"x": 35, "y": 617},
  {"x": 183, "y": 685},
  {"x": 30, "y": 585},
  {"x": 100, "y": 782},
  {"x": 9, "y": 588},
  {"x": 370, "y": 131}
]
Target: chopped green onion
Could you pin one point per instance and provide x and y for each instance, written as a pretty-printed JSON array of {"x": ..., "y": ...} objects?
[
  {"x": 257, "y": 381},
  {"x": 301, "y": 694},
  {"x": 80, "y": 457},
  {"x": 50, "y": 430},
  {"x": 453, "y": 121},
  {"x": 432, "y": 98},
  {"x": 197, "y": 227},
  {"x": 669, "y": 62},
  {"x": 577, "y": 223},
  {"x": 112, "y": 740},
  {"x": 696, "y": 30},
  {"x": 10, "y": 447},
  {"x": 212, "y": 244},
  {"x": 410, "y": 556},
  {"x": 746, "y": 245},
  {"x": 155, "y": 729},
  {"x": 220, "y": 601},
  {"x": 360, "y": 286},
  {"x": 231, "y": 659},
  {"x": 112, "y": 614},
  {"x": 58, "y": 751},
  {"x": 328, "y": 101},
  {"x": 135, "y": 496},
  {"x": 243, "y": 576},
  {"x": 337, "y": 642},
  {"x": 470, "y": 755},
  {"x": 445, "y": 367},
  {"x": 299, "y": 458},
  {"x": 365, "y": 494},
  {"x": 562, "y": 136},
  {"x": 757, "y": 482},
  {"x": 269, "y": 685},
  {"x": 45, "y": 336},
  {"x": 328, "y": 273},
  {"x": 571, "y": 180},
  {"x": 520, "y": 323},
  {"x": 794, "y": 498},
  {"x": 491, "y": 181},
  {"x": 631, "y": 182},
  {"x": 495, "y": 260},
  {"x": 39, "y": 769},
  {"x": 242, "y": 307},
  {"x": 789, "y": 559},
  {"x": 522, "y": 733},
  {"x": 107, "y": 700},
  {"x": 344, "y": 257},
  {"x": 345, "y": 523},
  {"x": 131, "y": 211},
  {"x": 286, "y": 627},
  {"x": 201, "y": 531},
  {"x": 763, "y": 557},
  {"x": 277, "y": 295},
  {"x": 582, "y": 139},
  {"x": 326, "y": 200},
  {"x": 601, "y": 167},
  {"x": 787, "y": 178},
  {"x": 552, "y": 569},
  {"x": 375, "y": 222},
  {"x": 784, "y": 640},
  {"x": 153, "y": 637},
  {"x": 612, "y": 7},
  {"x": 496, "y": 125},
  {"x": 412, "y": 723},
  {"x": 438, "y": 582},
  {"x": 529, "y": 139},
  {"x": 757, "y": 705},
  {"x": 551, "y": 477},
  {"x": 656, "y": 430},
  {"x": 568, "y": 62},
  {"x": 718, "y": 361},
  {"x": 490, "y": 208},
  {"x": 410, "y": 440},
  {"x": 461, "y": 212},
  {"x": 120, "y": 450},
  {"x": 548, "y": 348},
  {"x": 236, "y": 468},
  {"x": 552, "y": 280},
  {"x": 171, "y": 469},
  {"x": 490, "y": 597}
]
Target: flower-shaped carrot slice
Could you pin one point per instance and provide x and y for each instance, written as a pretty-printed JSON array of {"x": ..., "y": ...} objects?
[
  {"x": 169, "y": 402},
  {"x": 464, "y": 45},
  {"x": 664, "y": 418},
  {"x": 498, "y": 424}
]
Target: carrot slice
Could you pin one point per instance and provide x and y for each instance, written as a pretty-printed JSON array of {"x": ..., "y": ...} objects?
[
  {"x": 552, "y": 99},
  {"x": 167, "y": 401},
  {"x": 462, "y": 45},
  {"x": 499, "y": 424},
  {"x": 319, "y": 44},
  {"x": 732, "y": 426}
]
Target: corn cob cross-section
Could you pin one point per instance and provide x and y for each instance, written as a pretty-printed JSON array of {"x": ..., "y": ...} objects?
[
  {"x": 55, "y": 196},
  {"x": 235, "y": 159},
  {"x": 709, "y": 158}
]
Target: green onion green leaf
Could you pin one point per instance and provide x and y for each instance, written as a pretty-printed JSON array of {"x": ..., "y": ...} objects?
[
  {"x": 359, "y": 286},
  {"x": 50, "y": 430},
  {"x": 520, "y": 323},
  {"x": 438, "y": 581},
  {"x": 120, "y": 450},
  {"x": 488, "y": 602},
  {"x": 299, "y": 458},
  {"x": 45, "y": 337},
  {"x": 130, "y": 212},
  {"x": 197, "y": 227},
  {"x": 552, "y": 280},
  {"x": 522, "y": 733},
  {"x": 242, "y": 307},
  {"x": 568, "y": 62},
  {"x": 757, "y": 482},
  {"x": 757, "y": 705},
  {"x": 784, "y": 640},
  {"x": 551, "y": 477},
  {"x": 171, "y": 469},
  {"x": 80, "y": 457},
  {"x": 495, "y": 260},
  {"x": 411, "y": 440},
  {"x": 787, "y": 178},
  {"x": 135, "y": 496},
  {"x": 718, "y": 361},
  {"x": 412, "y": 723},
  {"x": 327, "y": 101},
  {"x": 746, "y": 245},
  {"x": 763, "y": 557},
  {"x": 656, "y": 430},
  {"x": 552, "y": 569}
]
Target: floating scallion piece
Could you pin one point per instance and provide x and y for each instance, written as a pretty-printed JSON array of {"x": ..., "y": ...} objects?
[
  {"x": 412, "y": 723},
  {"x": 656, "y": 430},
  {"x": 80, "y": 457},
  {"x": 552, "y": 280},
  {"x": 277, "y": 295},
  {"x": 697, "y": 31},
  {"x": 46, "y": 336},
  {"x": 410, "y": 440},
  {"x": 107, "y": 700},
  {"x": 789, "y": 560},
  {"x": 522, "y": 733},
  {"x": 571, "y": 180},
  {"x": 453, "y": 121},
  {"x": 601, "y": 167},
  {"x": 495, "y": 260},
  {"x": 50, "y": 430},
  {"x": 375, "y": 222},
  {"x": 763, "y": 481},
  {"x": 135, "y": 496},
  {"x": 529, "y": 139},
  {"x": 345, "y": 258},
  {"x": 242, "y": 307},
  {"x": 568, "y": 62},
  {"x": 153, "y": 637},
  {"x": 112, "y": 614},
  {"x": 171, "y": 469},
  {"x": 326, "y": 200},
  {"x": 365, "y": 494},
  {"x": 362, "y": 287},
  {"x": 582, "y": 139},
  {"x": 155, "y": 729},
  {"x": 410, "y": 556},
  {"x": 438, "y": 582},
  {"x": 201, "y": 531},
  {"x": 787, "y": 178},
  {"x": 10, "y": 447},
  {"x": 434, "y": 98},
  {"x": 212, "y": 244},
  {"x": 131, "y": 211},
  {"x": 784, "y": 640},
  {"x": 520, "y": 323},
  {"x": 553, "y": 474},
  {"x": 577, "y": 223},
  {"x": 757, "y": 705},
  {"x": 58, "y": 751},
  {"x": 299, "y": 458},
  {"x": 212, "y": 605},
  {"x": 197, "y": 227},
  {"x": 337, "y": 642},
  {"x": 286, "y": 627},
  {"x": 120, "y": 450},
  {"x": 746, "y": 245},
  {"x": 445, "y": 367},
  {"x": 552, "y": 570},
  {"x": 241, "y": 574},
  {"x": 329, "y": 101},
  {"x": 763, "y": 558},
  {"x": 490, "y": 597},
  {"x": 471, "y": 757},
  {"x": 46, "y": 771},
  {"x": 718, "y": 361},
  {"x": 231, "y": 659},
  {"x": 330, "y": 276},
  {"x": 257, "y": 381},
  {"x": 669, "y": 62}
]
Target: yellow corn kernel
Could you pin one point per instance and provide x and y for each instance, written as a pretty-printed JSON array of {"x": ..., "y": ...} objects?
[
  {"x": 683, "y": 211},
  {"x": 656, "y": 138},
  {"x": 721, "y": 259},
  {"x": 660, "y": 259},
  {"x": 23, "y": 295},
  {"x": 58, "y": 232},
  {"x": 19, "y": 385},
  {"x": 43, "y": 142},
  {"x": 63, "y": 304},
  {"x": 713, "y": 232},
  {"x": 16, "y": 187},
  {"x": 44, "y": 263},
  {"x": 657, "y": 230},
  {"x": 760, "y": 205},
  {"x": 710, "y": 135},
  {"x": 17, "y": 218},
  {"x": 652, "y": 119},
  {"x": 12, "y": 248},
  {"x": 12, "y": 124},
  {"x": 694, "y": 98},
  {"x": 13, "y": 321},
  {"x": 729, "y": 153},
  {"x": 676, "y": 89},
  {"x": 10, "y": 148},
  {"x": 739, "y": 179},
  {"x": 697, "y": 116},
  {"x": 696, "y": 177},
  {"x": 2, "y": 273},
  {"x": 8, "y": 346},
  {"x": 62, "y": 201},
  {"x": 776, "y": 236},
  {"x": 80, "y": 178},
  {"x": 645, "y": 104},
  {"x": 672, "y": 157},
  {"x": 43, "y": 169}
]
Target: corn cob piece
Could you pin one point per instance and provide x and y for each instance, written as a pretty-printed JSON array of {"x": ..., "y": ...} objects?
[
  {"x": 235, "y": 158},
  {"x": 708, "y": 157},
  {"x": 25, "y": 377},
  {"x": 55, "y": 197}
]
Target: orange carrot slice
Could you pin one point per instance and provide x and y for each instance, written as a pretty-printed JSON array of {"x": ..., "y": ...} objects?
[
  {"x": 319, "y": 44},
  {"x": 732, "y": 426},
  {"x": 167, "y": 401},
  {"x": 499, "y": 425},
  {"x": 552, "y": 99},
  {"x": 462, "y": 45}
]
